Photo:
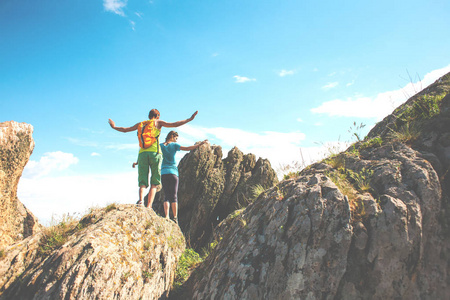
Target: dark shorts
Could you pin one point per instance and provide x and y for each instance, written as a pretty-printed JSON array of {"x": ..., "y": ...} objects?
[{"x": 170, "y": 187}]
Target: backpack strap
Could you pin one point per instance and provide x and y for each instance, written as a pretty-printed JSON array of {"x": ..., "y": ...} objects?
[
  {"x": 157, "y": 145},
  {"x": 142, "y": 135}
]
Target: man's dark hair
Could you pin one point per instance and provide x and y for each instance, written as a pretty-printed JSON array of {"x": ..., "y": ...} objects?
[{"x": 154, "y": 113}]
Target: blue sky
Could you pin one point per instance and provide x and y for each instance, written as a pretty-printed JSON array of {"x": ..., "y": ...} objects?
[{"x": 274, "y": 78}]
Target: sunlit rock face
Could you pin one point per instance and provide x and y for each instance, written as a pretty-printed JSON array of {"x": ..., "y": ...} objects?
[
  {"x": 16, "y": 146},
  {"x": 119, "y": 252},
  {"x": 369, "y": 223}
]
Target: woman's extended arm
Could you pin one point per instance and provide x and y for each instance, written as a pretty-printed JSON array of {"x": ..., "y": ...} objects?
[
  {"x": 122, "y": 129},
  {"x": 193, "y": 147}
]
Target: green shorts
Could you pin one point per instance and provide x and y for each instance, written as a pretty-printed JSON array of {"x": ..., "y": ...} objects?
[{"x": 146, "y": 161}]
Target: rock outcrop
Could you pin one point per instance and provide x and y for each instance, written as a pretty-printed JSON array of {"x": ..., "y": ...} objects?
[
  {"x": 120, "y": 252},
  {"x": 426, "y": 118},
  {"x": 16, "y": 146},
  {"x": 369, "y": 223},
  {"x": 211, "y": 188},
  {"x": 277, "y": 248}
]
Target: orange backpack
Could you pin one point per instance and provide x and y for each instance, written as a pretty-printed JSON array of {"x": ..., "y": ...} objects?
[{"x": 148, "y": 134}]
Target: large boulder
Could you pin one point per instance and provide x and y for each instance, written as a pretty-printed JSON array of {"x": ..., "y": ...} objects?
[
  {"x": 398, "y": 247},
  {"x": 279, "y": 246},
  {"x": 211, "y": 188},
  {"x": 120, "y": 252},
  {"x": 369, "y": 223},
  {"x": 310, "y": 238},
  {"x": 16, "y": 146}
]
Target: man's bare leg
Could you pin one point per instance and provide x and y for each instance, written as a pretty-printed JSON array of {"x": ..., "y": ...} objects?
[
  {"x": 141, "y": 194},
  {"x": 151, "y": 195}
]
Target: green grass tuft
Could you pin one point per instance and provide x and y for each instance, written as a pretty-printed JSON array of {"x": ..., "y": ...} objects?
[
  {"x": 187, "y": 263},
  {"x": 256, "y": 190},
  {"x": 57, "y": 235},
  {"x": 111, "y": 207}
]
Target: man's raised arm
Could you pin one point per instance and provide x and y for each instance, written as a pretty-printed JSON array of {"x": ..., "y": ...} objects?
[
  {"x": 162, "y": 123},
  {"x": 122, "y": 129}
]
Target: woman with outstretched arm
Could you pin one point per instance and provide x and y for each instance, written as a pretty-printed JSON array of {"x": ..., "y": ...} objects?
[{"x": 169, "y": 172}]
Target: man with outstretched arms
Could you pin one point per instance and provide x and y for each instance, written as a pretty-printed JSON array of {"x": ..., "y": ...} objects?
[{"x": 150, "y": 156}]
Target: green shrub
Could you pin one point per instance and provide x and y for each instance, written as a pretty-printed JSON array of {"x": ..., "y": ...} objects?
[
  {"x": 336, "y": 161},
  {"x": 147, "y": 274},
  {"x": 236, "y": 213},
  {"x": 188, "y": 261},
  {"x": 256, "y": 190},
  {"x": 206, "y": 251},
  {"x": 350, "y": 183},
  {"x": 374, "y": 142},
  {"x": 355, "y": 131},
  {"x": 410, "y": 118},
  {"x": 361, "y": 179},
  {"x": 407, "y": 133},
  {"x": 111, "y": 207},
  {"x": 290, "y": 175},
  {"x": 423, "y": 108},
  {"x": 55, "y": 236}
]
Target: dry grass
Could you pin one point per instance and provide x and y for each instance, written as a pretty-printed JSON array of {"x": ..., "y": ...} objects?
[{"x": 57, "y": 234}]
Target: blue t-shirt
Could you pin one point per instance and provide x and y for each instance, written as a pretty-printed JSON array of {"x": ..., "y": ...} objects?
[{"x": 169, "y": 165}]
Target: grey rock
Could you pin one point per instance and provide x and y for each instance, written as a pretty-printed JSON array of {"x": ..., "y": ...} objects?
[{"x": 125, "y": 253}]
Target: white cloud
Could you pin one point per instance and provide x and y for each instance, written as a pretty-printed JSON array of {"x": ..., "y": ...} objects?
[
  {"x": 95, "y": 154},
  {"x": 215, "y": 54},
  {"x": 115, "y": 6},
  {"x": 332, "y": 74},
  {"x": 49, "y": 162},
  {"x": 133, "y": 25},
  {"x": 299, "y": 120},
  {"x": 241, "y": 79},
  {"x": 330, "y": 85},
  {"x": 237, "y": 137},
  {"x": 138, "y": 14},
  {"x": 382, "y": 104},
  {"x": 350, "y": 83},
  {"x": 283, "y": 73},
  {"x": 53, "y": 196}
]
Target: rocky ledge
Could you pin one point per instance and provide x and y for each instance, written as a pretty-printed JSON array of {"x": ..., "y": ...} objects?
[{"x": 119, "y": 252}]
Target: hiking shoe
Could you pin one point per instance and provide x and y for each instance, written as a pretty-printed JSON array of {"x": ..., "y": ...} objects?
[
  {"x": 175, "y": 220},
  {"x": 139, "y": 202}
]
